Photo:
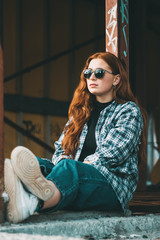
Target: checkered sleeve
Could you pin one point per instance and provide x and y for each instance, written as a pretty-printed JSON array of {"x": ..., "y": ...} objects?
[{"x": 59, "y": 153}]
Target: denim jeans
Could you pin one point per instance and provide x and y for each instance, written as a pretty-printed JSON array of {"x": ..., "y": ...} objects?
[{"x": 81, "y": 185}]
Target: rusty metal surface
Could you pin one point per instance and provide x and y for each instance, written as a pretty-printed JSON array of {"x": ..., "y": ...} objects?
[
  {"x": 117, "y": 29},
  {"x": 111, "y": 26},
  {"x": 1, "y": 139}
]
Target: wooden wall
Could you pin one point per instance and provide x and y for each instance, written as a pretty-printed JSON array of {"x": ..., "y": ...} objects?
[{"x": 34, "y": 31}]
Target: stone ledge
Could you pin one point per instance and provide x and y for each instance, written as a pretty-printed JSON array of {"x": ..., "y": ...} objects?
[{"x": 87, "y": 225}]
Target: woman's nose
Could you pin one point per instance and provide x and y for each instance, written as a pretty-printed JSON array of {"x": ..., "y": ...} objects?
[{"x": 93, "y": 77}]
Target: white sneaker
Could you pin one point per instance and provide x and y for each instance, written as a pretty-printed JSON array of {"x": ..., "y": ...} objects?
[
  {"x": 26, "y": 166},
  {"x": 21, "y": 204}
]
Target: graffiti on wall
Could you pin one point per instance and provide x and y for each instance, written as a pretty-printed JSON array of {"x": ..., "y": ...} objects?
[
  {"x": 36, "y": 128},
  {"x": 112, "y": 24},
  {"x": 124, "y": 16},
  {"x": 111, "y": 28},
  {"x": 33, "y": 128}
]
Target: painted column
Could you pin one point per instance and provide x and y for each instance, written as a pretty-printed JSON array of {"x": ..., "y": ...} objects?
[
  {"x": 111, "y": 27},
  {"x": 117, "y": 42},
  {"x": 117, "y": 29},
  {"x": 1, "y": 139}
]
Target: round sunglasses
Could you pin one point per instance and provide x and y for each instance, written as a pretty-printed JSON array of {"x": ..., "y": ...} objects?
[{"x": 99, "y": 73}]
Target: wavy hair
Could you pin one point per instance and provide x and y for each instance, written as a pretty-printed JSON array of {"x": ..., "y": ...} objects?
[{"x": 82, "y": 104}]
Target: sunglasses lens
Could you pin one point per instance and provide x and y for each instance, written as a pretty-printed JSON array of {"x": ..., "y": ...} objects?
[
  {"x": 87, "y": 73},
  {"x": 99, "y": 73}
]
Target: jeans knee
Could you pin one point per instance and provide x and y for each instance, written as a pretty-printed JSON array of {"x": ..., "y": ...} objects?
[
  {"x": 66, "y": 168},
  {"x": 66, "y": 163}
]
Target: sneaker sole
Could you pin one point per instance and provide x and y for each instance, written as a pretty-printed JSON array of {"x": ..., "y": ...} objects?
[
  {"x": 27, "y": 168},
  {"x": 11, "y": 184}
]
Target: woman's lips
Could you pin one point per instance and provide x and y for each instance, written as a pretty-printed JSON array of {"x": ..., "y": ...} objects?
[{"x": 93, "y": 85}]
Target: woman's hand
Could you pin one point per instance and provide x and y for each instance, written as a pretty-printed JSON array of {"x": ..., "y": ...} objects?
[{"x": 88, "y": 162}]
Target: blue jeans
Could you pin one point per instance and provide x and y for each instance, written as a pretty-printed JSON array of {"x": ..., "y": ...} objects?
[{"x": 81, "y": 185}]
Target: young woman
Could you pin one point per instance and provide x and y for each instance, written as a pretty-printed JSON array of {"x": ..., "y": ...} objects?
[{"x": 95, "y": 164}]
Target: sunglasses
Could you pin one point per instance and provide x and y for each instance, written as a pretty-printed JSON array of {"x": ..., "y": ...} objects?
[{"x": 99, "y": 73}]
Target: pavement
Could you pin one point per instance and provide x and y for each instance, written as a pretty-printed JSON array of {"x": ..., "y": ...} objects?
[{"x": 67, "y": 225}]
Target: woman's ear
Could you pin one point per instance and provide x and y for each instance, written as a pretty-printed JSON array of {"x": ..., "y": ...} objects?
[{"x": 116, "y": 79}]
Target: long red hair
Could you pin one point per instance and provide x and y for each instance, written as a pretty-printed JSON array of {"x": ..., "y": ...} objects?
[{"x": 82, "y": 103}]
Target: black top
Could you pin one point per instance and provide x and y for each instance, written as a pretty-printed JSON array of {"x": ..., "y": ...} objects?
[{"x": 90, "y": 145}]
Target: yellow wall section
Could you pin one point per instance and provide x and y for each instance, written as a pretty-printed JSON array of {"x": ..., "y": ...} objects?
[
  {"x": 56, "y": 80},
  {"x": 56, "y": 127},
  {"x": 10, "y": 44},
  {"x": 34, "y": 123}
]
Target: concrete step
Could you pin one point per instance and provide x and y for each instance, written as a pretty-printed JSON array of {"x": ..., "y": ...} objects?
[{"x": 84, "y": 225}]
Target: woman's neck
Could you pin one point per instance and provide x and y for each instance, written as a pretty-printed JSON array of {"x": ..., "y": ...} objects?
[{"x": 105, "y": 99}]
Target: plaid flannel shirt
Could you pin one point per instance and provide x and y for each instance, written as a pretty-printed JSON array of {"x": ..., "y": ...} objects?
[{"x": 118, "y": 134}]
